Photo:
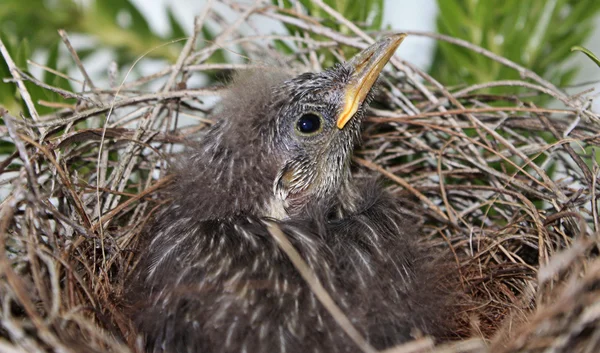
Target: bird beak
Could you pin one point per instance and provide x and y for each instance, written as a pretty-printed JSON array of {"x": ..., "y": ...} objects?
[{"x": 367, "y": 65}]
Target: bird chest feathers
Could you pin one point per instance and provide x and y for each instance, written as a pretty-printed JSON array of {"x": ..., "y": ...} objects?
[{"x": 213, "y": 279}]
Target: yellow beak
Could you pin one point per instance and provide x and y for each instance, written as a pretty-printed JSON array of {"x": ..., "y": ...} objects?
[{"x": 367, "y": 65}]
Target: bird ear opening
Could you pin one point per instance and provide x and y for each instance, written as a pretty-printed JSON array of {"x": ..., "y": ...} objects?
[{"x": 283, "y": 182}]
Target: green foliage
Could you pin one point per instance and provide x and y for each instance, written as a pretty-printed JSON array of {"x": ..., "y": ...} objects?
[
  {"x": 38, "y": 20},
  {"x": 366, "y": 14},
  {"x": 7, "y": 91},
  {"x": 535, "y": 34},
  {"x": 133, "y": 37},
  {"x": 30, "y": 27},
  {"x": 588, "y": 53}
]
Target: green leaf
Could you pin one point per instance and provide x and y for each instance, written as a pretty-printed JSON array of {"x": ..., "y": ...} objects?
[
  {"x": 534, "y": 34},
  {"x": 366, "y": 14},
  {"x": 52, "y": 79},
  {"x": 454, "y": 20},
  {"x": 219, "y": 55},
  {"x": 7, "y": 90},
  {"x": 283, "y": 47},
  {"x": 23, "y": 53},
  {"x": 51, "y": 62},
  {"x": 112, "y": 9},
  {"x": 177, "y": 30},
  {"x": 588, "y": 53}
]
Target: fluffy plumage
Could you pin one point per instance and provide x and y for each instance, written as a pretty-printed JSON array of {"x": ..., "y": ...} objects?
[{"x": 212, "y": 279}]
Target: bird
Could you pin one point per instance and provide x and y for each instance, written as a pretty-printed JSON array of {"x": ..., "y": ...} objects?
[{"x": 212, "y": 278}]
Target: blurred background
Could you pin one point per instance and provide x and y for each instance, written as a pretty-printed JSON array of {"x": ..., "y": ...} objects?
[{"x": 535, "y": 34}]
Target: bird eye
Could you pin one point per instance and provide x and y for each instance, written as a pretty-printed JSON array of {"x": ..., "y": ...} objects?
[{"x": 309, "y": 123}]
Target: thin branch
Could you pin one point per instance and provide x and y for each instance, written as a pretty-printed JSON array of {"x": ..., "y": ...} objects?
[
  {"x": 76, "y": 58},
  {"x": 14, "y": 71}
]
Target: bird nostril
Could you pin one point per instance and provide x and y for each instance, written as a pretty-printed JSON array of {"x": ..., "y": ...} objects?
[{"x": 309, "y": 123}]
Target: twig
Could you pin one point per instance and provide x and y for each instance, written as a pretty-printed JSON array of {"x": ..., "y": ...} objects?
[
  {"x": 12, "y": 130},
  {"x": 404, "y": 184},
  {"x": 197, "y": 59},
  {"x": 160, "y": 97},
  {"x": 14, "y": 71},
  {"x": 55, "y": 72},
  {"x": 388, "y": 116},
  {"x": 76, "y": 58}
]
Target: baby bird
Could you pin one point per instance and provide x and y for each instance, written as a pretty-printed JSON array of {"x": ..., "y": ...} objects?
[{"x": 213, "y": 279}]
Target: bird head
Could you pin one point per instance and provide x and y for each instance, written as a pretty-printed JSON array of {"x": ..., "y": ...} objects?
[
  {"x": 317, "y": 124},
  {"x": 281, "y": 143}
]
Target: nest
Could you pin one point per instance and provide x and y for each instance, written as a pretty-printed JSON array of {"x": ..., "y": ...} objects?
[{"x": 509, "y": 187}]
